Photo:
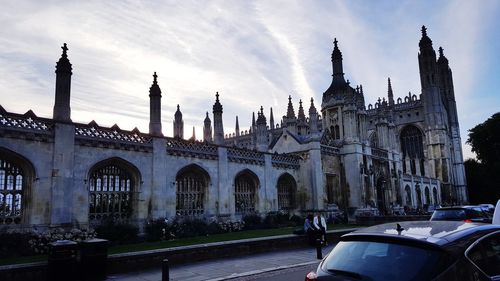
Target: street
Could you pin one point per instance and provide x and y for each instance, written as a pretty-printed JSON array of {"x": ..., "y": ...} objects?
[{"x": 290, "y": 274}]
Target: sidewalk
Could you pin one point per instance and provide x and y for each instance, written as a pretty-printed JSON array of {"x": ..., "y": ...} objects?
[{"x": 230, "y": 268}]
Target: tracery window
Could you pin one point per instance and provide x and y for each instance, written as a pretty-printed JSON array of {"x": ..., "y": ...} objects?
[
  {"x": 245, "y": 188},
  {"x": 111, "y": 189},
  {"x": 191, "y": 185},
  {"x": 412, "y": 148},
  {"x": 12, "y": 192},
  {"x": 286, "y": 192}
]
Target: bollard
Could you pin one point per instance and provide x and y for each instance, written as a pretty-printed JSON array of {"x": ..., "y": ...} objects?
[
  {"x": 319, "y": 253},
  {"x": 165, "y": 275}
]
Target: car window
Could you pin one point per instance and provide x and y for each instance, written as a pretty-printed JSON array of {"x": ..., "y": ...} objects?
[
  {"x": 371, "y": 260},
  {"x": 486, "y": 254},
  {"x": 453, "y": 214}
]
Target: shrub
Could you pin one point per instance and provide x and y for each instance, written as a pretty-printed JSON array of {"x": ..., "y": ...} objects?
[
  {"x": 39, "y": 241},
  {"x": 15, "y": 244},
  {"x": 117, "y": 233},
  {"x": 252, "y": 221}
]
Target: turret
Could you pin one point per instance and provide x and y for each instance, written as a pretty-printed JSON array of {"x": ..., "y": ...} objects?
[
  {"x": 218, "y": 126},
  {"x": 338, "y": 70},
  {"x": 313, "y": 118},
  {"x": 178, "y": 124},
  {"x": 62, "y": 110},
  {"x": 261, "y": 133},
  {"x": 155, "y": 108},
  {"x": 207, "y": 129},
  {"x": 271, "y": 119},
  {"x": 291, "y": 120},
  {"x": 237, "y": 127}
]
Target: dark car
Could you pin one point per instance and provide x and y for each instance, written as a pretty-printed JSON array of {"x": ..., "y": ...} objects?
[
  {"x": 461, "y": 213},
  {"x": 417, "y": 251}
]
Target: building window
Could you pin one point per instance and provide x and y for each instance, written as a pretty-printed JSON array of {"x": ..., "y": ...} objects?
[
  {"x": 412, "y": 148},
  {"x": 111, "y": 189},
  {"x": 15, "y": 175},
  {"x": 245, "y": 189},
  {"x": 191, "y": 185},
  {"x": 286, "y": 192}
]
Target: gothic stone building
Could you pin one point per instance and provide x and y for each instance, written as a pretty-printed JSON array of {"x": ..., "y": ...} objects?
[{"x": 403, "y": 152}]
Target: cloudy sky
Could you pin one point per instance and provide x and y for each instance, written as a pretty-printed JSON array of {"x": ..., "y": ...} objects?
[{"x": 252, "y": 52}]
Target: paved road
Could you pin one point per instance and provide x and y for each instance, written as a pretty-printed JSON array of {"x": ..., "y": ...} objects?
[
  {"x": 289, "y": 265},
  {"x": 290, "y": 274}
]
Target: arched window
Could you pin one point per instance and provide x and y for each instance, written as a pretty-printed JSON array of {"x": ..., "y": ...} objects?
[
  {"x": 427, "y": 195},
  {"x": 191, "y": 186},
  {"x": 435, "y": 195},
  {"x": 412, "y": 148},
  {"x": 374, "y": 140},
  {"x": 245, "y": 189},
  {"x": 419, "y": 196},
  {"x": 408, "y": 195},
  {"x": 15, "y": 181},
  {"x": 286, "y": 192},
  {"x": 111, "y": 190}
]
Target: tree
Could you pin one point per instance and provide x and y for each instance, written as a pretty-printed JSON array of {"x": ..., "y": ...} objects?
[{"x": 483, "y": 174}]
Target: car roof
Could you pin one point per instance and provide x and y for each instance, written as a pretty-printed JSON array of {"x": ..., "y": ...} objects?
[{"x": 438, "y": 233}]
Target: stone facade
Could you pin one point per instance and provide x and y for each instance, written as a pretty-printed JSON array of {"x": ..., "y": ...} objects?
[{"x": 394, "y": 153}]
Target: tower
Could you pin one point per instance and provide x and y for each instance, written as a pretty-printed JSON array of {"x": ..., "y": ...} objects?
[
  {"x": 207, "y": 129},
  {"x": 155, "y": 108},
  {"x": 261, "y": 133},
  {"x": 218, "y": 126},
  {"x": 178, "y": 124},
  {"x": 62, "y": 110}
]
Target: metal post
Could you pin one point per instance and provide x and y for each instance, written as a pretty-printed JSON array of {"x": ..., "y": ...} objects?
[
  {"x": 319, "y": 253},
  {"x": 165, "y": 276}
]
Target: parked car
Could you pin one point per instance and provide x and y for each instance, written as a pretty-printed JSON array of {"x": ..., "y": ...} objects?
[
  {"x": 461, "y": 213},
  {"x": 415, "y": 250}
]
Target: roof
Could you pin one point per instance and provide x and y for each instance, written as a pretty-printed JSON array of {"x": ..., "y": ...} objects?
[{"x": 440, "y": 233}]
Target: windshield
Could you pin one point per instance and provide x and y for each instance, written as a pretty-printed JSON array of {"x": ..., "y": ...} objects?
[
  {"x": 452, "y": 214},
  {"x": 381, "y": 261}
]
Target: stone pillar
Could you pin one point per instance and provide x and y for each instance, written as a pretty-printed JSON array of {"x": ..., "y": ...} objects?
[
  {"x": 224, "y": 186},
  {"x": 159, "y": 185},
  {"x": 317, "y": 179},
  {"x": 62, "y": 208}
]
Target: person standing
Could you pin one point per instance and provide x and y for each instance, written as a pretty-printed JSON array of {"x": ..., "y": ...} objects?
[
  {"x": 309, "y": 229},
  {"x": 319, "y": 223}
]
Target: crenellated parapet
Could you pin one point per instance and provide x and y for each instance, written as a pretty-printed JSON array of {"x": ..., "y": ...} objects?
[
  {"x": 94, "y": 135},
  {"x": 246, "y": 156},
  {"x": 201, "y": 150},
  {"x": 25, "y": 126}
]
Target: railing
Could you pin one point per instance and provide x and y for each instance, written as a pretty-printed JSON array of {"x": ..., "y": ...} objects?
[
  {"x": 26, "y": 125},
  {"x": 94, "y": 135},
  {"x": 245, "y": 156},
  {"x": 285, "y": 161},
  {"x": 179, "y": 147}
]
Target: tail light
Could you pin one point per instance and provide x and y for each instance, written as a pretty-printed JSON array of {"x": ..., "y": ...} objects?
[
  {"x": 467, "y": 220},
  {"x": 311, "y": 276}
]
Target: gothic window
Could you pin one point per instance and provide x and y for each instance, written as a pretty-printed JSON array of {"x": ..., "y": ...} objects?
[
  {"x": 419, "y": 196},
  {"x": 14, "y": 186},
  {"x": 435, "y": 195},
  {"x": 245, "y": 189},
  {"x": 286, "y": 192},
  {"x": 412, "y": 148},
  {"x": 374, "y": 140},
  {"x": 112, "y": 184},
  {"x": 427, "y": 195},
  {"x": 408, "y": 195},
  {"x": 191, "y": 189}
]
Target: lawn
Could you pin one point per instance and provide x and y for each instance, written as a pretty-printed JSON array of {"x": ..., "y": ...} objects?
[{"x": 246, "y": 234}]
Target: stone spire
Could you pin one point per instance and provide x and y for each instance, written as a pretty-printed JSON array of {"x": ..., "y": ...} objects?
[
  {"x": 155, "y": 108},
  {"x": 218, "y": 126},
  {"x": 178, "y": 124},
  {"x": 313, "y": 118},
  {"x": 62, "y": 110},
  {"x": 253, "y": 121},
  {"x": 337, "y": 67},
  {"x": 237, "y": 127},
  {"x": 442, "y": 59},
  {"x": 290, "y": 113},
  {"x": 390, "y": 94},
  {"x": 271, "y": 119},
  {"x": 207, "y": 129},
  {"x": 301, "y": 115},
  {"x": 193, "y": 137}
]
